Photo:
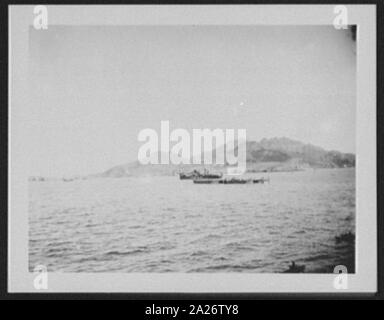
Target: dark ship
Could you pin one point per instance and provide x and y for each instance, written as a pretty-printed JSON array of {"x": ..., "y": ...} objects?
[{"x": 198, "y": 175}]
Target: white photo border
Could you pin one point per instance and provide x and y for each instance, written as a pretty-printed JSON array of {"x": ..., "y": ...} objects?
[{"x": 365, "y": 278}]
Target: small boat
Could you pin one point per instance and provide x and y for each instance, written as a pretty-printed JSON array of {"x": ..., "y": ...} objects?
[
  {"x": 206, "y": 181},
  {"x": 261, "y": 180},
  {"x": 295, "y": 268},
  {"x": 187, "y": 176},
  {"x": 207, "y": 175},
  {"x": 197, "y": 175},
  {"x": 211, "y": 176},
  {"x": 235, "y": 181},
  {"x": 203, "y": 180}
]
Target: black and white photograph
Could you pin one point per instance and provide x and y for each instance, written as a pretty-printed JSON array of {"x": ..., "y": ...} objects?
[
  {"x": 94, "y": 207},
  {"x": 181, "y": 142}
]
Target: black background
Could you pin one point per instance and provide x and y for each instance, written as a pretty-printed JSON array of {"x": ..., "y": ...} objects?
[{"x": 139, "y": 301}]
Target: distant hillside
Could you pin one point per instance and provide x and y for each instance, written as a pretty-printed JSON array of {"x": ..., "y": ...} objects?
[
  {"x": 276, "y": 154},
  {"x": 284, "y": 149}
]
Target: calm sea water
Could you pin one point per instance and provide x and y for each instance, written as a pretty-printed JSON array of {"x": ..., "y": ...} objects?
[{"x": 163, "y": 224}]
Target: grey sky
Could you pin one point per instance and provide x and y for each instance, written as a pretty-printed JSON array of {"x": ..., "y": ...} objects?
[{"x": 94, "y": 88}]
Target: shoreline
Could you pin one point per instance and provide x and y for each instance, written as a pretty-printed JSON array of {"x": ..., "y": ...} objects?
[{"x": 172, "y": 174}]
